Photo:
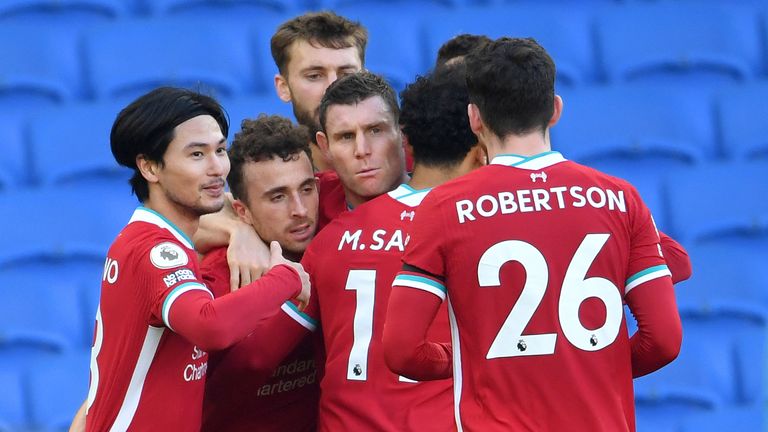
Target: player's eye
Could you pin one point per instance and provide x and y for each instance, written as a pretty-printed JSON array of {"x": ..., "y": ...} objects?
[
  {"x": 221, "y": 150},
  {"x": 314, "y": 76},
  {"x": 277, "y": 198},
  {"x": 348, "y": 136},
  {"x": 375, "y": 130},
  {"x": 196, "y": 154}
]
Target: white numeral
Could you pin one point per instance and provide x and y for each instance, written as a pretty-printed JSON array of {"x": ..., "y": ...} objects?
[
  {"x": 99, "y": 339},
  {"x": 576, "y": 288},
  {"x": 364, "y": 283}
]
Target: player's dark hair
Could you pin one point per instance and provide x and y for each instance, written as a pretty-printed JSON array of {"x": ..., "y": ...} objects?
[
  {"x": 460, "y": 46},
  {"x": 325, "y": 29},
  {"x": 512, "y": 82},
  {"x": 355, "y": 88},
  {"x": 146, "y": 127},
  {"x": 265, "y": 138},
  {"x": 433, "y": 115}
]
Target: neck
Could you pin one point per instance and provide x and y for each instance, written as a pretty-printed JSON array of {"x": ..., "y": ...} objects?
[
  {"x": 524, "y": 145},
  {"x": 318, "y": 158},
  {"x": 425, "y": 177},
  {"x": 184, "y": 220}
]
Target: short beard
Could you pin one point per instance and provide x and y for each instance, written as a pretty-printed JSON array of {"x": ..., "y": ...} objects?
[{"x": 305, "y": 118}]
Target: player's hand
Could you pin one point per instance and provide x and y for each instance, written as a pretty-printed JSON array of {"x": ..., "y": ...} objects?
[
  {"x": 276, "y": 257},
  {"x": 247, "y": 256}
]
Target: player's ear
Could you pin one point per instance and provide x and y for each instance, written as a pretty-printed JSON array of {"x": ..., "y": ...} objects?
[
  {"x": 322, "y": 142},
  {"x": 479, "y": 155},
  {"x": 282, "y": 89},
  {"x": 147, "y": 168},
  {"x": 475, "y": 121},
  {"x": 557, "y": 111},
  {"x": 242, "y": 212}
]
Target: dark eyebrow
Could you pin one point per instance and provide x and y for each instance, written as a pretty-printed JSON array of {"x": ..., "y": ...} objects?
[
  {"x": 274, "y": 190},
  {"x": 202, "y": 144}
]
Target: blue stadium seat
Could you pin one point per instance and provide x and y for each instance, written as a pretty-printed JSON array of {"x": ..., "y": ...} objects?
[
  {"x": 633, "y": 122},
  {"x": 39, "y": 68},
  {"x": 677, "y": 42},
  {"x": 565, "y": 34},
  {"x": 750, "y": 418},
  {"x": 250, "y": 108},
  {"x": 13, "y": 415},
  {"x": 727, "y": 278},
  {"x": 200, "y": 55},
  {"x": 396, "y": 55},
  {"x": 751, "y": 356},
  {"x": 58, "y": 389},
  {"x": 69, "y": 13},
  {"x": 14, "y": 165},
  {"x": 40, "y": 312},
  {"x": 744, "y": 134},
  {"x": 61, "y": 224},
  {"x": 71, "y": 145},
  {"x": 232, "y": 8},
  {"x": 733, "y": 204},
  {"x": 703, "y": 377}
]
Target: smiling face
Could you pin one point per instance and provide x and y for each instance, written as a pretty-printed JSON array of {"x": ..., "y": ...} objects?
[
  {"x": 195, "y": 165},
  {"x": 311, "y": 69},
  {"x": 364, "y": 145},
  {"x": 282, "y": 202}
]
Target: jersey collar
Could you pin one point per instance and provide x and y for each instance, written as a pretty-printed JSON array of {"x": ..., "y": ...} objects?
[
  {"x": 408, "y": 195},
  {"x": 536, "y": 162},
  {"x": 143, "y": 214}
]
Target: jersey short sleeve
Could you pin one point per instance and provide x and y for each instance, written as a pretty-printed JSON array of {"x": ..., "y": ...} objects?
[
  {"x": 646, "y": 261},
  {"x": 169, "y": 270},
  {"x": 423, "y": 260}
]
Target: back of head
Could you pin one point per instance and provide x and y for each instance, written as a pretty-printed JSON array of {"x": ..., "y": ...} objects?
[
  {"x": 512, "y": 82},
  {"x": 433, "y": 115},
  {"x": 355, "y": 88},
  {"x": 266, "y": 138},
  {"x": 325, "y": 29},
  {"x": 146, "y": 127},
  {"x": 456, "y": 48}
]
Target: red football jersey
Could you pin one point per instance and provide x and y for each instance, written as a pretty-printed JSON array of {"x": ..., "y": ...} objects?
[
  {"x": 143, "y": 375},
  {"x": 283, "y": 399},
  {"x": 536, "y": 256},
  {"x": 333, "y": 202},
  {"x": 352, "y": 263}
]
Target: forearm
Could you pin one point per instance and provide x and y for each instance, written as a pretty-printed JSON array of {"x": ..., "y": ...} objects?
[
  {"x": 215, "y": 324},
  {"x": 677, "y": 258},
  {"x": 78, "y": 423},
  {"x": 406, "y": 350},
  {"x": 659, "y": 331}
]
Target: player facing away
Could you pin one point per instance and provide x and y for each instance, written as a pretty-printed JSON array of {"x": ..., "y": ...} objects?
[
  {"x": 535, "y": 256},
  {"x": 156, "y": 319},
  {"x": 275, "y": 192}
]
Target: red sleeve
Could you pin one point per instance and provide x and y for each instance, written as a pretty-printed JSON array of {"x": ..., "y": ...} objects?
[
  {"x": 659, "y": 331},
  {"x": 407, "y": 352},
  {"x": 677, "y": 258},
  {"x": 214, "y": 324}
]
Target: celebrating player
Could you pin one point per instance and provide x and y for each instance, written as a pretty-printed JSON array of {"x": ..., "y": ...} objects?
[
  {"x": 156, "y": 319},
  {"x": 536, "y": 255},
  {"x": 275, "y": 192}
]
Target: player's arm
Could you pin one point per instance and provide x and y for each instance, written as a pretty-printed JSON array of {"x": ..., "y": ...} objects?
[
  {"x": 78, "y": 423},
  {"x": 649, "y": 293},
  {"x": 214, "y": 324},
  {"x": 268, "y": 344},
  {"x": 247, "y": 255},
  {"x": 677, "y": 258},
  {"x": 413, "y": 304},
  {"x": 659, "y": 331}
]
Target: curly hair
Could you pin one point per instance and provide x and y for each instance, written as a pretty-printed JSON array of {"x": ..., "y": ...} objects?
[
  {"x": 433, "y": 115},
  {"x": 265, "y": 138}
]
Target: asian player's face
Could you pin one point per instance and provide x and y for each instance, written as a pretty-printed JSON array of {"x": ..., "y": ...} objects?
[
  {"x": 364, "y": 146},
  {"x": 309, "y": 72},
  {"x": 282, "y": 202},
  {"x": 195, "y": 167}
]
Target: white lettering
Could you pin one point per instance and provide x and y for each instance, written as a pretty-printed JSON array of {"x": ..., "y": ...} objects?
[
  {"x": 524, "y": 200},
  {"x": 487, "y": 199},
  {"x": 591, "y": 197},
  {"x": 541, "y": 199},
  {"x": 576, "y": 194},
  {"x": 350, "y": 238},
  {"x": 110, "y": 271},
  {"x": 559, "y": 192},
  {"x": 396, "y": 241},
  {"x": 464, "y": 210},
  {"x": 617, "y": 200},
  {"x": 507, "y": 202},
  {"x": 377, "y": 238}
]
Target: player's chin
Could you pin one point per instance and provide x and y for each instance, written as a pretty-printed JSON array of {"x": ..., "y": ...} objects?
[{"x": 210, "y": 205}]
